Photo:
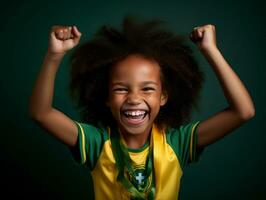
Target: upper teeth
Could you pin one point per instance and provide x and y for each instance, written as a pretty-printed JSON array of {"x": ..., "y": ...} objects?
[{"x": 135, "y": 113}]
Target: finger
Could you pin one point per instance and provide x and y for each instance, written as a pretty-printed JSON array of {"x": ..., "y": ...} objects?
[
  {"x": 55, "y": 32},
  {"x": 210, "y": 26},
  {"x": 59, "y": 34},
  {"x": 195, "y": 35},
  {"x": 58, "y": 31},
  {"x": 65, "y": 31},
  {"x": 195, "y": 32},
  {"x": 70, "y": 35},
  {"x": 196, "y": 27},
  {"x": 68, "y": 32},
  {"x": 199, "y": 33},
  {"x": 76, "y": 32}
]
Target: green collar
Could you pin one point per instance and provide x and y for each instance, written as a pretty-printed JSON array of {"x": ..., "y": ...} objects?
[{"x": 125, "y": 169}]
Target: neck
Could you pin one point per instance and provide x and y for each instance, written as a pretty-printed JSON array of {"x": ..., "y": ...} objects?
[{"x": 136, "y": 141}]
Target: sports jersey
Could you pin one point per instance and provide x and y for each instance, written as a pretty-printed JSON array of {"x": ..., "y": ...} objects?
[{"x": 173, "y": 149}]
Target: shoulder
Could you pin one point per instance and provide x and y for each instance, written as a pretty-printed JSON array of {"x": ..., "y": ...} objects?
[
  {"x": 183, "y": 140},
  {"x": 182, "y": 130},
  {"x": 183, "y": 136},
  {"x": 92, "y": 131},
  {"x": 90, "y": 142}
]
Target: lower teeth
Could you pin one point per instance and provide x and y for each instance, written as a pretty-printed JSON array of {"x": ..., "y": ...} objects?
[{"x": 136, "y": 117}]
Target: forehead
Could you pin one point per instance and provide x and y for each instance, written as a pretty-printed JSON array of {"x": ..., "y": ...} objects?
[{"x": 135, "y": 68}]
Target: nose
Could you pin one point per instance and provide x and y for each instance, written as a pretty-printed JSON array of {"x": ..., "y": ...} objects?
[{"x": 134, "y": 98}]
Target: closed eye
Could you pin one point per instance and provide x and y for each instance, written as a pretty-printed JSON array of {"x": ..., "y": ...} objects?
[
  {"x": 148, "y": 89},
  {"x": 120, "y": 90}
]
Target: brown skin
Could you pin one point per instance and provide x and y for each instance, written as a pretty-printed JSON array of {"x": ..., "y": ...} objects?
[
  {"x": 135, "y": 84},
  {"x": 41, "y": 109},
  {"x": 240, "y": 106}
]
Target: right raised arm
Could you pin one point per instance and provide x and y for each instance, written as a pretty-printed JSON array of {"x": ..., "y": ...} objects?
[{"x": 41, "y": 110}]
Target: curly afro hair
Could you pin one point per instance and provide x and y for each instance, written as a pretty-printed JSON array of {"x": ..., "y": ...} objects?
[{"x": 91, "y": 63}]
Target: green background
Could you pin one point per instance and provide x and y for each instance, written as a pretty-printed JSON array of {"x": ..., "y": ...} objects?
[{"x": 36, "y": 165}]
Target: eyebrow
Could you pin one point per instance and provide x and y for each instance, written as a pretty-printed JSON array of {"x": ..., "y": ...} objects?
[{"x": 142, "y": 83}]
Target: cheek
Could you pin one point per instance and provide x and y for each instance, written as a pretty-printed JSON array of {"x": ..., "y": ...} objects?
[
  {"x": 154, "y": 103},
  {"x": 116, "y": 102},
  {"x": 155, "y": 98}
]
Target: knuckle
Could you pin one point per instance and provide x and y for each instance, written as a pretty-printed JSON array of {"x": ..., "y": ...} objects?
[
  {"x": 210, "y": 26},
  {"x": 59, "y": 31}
]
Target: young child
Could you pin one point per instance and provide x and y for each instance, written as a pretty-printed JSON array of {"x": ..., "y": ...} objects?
[{"x": 135, "y": 89}]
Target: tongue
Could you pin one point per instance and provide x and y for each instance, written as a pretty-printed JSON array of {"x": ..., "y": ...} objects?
[{"x": 134, "y": 119}]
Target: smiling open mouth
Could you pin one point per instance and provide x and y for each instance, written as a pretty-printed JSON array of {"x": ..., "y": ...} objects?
[{"x": 134, "y": 117}]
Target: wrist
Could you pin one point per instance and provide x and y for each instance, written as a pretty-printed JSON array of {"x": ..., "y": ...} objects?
[
  {"x": 54, "y": 56},
  {"x": 209, "y": 50}
]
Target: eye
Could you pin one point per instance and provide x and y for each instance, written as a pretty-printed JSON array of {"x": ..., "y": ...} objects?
[
  {"x": 120, "y": 90},
  {"x": 148, "y": 89}
]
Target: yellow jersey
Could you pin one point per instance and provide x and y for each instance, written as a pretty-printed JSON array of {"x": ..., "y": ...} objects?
[{"x": 173, "y": 149}]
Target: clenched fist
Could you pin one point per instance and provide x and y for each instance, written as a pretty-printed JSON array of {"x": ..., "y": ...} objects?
[
  {"x": 63, "y": 38},
  {"x": 204, "y": 37}
]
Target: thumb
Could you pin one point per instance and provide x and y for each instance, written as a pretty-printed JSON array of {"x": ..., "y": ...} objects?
[
  {"x": 197, "y": 34},
  {"x": 76, "y": 32}
]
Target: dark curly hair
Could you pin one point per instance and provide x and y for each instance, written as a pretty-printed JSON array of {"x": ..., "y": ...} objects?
[{"x": 91, "y": 62}]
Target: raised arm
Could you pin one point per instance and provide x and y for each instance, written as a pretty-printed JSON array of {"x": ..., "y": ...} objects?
[
  {"x": 41, "y": 110},
  {"x": 241, "y": 107}
]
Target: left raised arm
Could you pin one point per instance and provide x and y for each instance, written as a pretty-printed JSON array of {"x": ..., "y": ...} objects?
[{"x": 241, "y": 107}]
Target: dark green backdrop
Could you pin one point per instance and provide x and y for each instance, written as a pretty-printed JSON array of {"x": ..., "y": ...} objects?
[{"x": 35, "y": 165}]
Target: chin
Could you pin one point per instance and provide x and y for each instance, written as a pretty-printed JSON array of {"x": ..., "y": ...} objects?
[{"x": 135, "y": 130}]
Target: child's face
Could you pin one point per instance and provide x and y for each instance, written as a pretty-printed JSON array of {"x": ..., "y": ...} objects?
[{"x": 135, "y": 94}]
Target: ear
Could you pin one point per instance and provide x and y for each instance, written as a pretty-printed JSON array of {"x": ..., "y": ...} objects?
[{"x": 164, "y": 98}]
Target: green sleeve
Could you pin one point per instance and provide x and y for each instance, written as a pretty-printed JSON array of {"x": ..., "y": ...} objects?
[
  {"x": 89, "y": 144},
  {"x": 183, "y": 141}
]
